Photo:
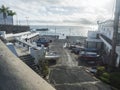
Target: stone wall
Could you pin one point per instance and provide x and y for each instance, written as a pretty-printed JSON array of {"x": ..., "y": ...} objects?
[{"x": 14, "y": 28}]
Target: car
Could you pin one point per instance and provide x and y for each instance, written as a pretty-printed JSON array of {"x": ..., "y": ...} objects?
[
  {"x": 93, "y": 69},
  {"x": 75, "y": 50},
  {"x": 71, "y": 46},
  {"x": 42, "y": 41}
]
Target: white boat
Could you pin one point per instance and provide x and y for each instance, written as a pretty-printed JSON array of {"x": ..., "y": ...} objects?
[{"x": 52, "y": 55}]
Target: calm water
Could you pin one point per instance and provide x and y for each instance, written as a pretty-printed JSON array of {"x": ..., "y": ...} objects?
[{"x": 66, "y": 30}]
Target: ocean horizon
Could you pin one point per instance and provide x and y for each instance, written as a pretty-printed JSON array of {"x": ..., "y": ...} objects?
[{"x": 66, "y": 30}]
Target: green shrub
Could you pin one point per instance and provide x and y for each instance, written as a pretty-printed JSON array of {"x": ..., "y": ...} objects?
[
  {"x": 100, "y": 70},
  {"x": 105, "y": 77},
  {"x": 115, "y": 79},
  {"x": 45, "y": 71}
]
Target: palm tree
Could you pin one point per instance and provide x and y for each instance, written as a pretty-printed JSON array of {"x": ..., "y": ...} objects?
[
  {"x": 11, "y": 13},
  {"x": 4, "y": 10}
]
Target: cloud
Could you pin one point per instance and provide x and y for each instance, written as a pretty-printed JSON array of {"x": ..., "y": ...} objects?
[
  {"x": 85, "y": 12},
  {"x": 80, "y": 21},
  {"x": 41, "y": 2}
]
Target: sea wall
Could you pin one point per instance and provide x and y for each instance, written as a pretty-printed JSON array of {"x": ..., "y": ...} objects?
[{"x": 14, "y": 28}]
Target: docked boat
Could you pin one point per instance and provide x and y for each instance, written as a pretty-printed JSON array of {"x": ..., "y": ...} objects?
[
  {"x": 52, "y": 56},
  {"x": 88, "y": 55}
]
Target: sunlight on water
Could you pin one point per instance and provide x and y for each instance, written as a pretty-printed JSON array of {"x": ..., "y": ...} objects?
[{"x": 66, "y": 30}]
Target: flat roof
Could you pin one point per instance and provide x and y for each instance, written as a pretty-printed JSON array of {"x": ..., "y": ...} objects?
[{"x": 94, "y": 40}]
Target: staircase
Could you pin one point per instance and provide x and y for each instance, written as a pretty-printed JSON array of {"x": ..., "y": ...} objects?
[{"x": 29, "y": 60}]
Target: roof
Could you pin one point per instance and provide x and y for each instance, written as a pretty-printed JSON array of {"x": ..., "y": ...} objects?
[{"x": 94, "y": 40}]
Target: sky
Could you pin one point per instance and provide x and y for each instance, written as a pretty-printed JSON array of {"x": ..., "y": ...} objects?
[{"x": 61, "y": 12}]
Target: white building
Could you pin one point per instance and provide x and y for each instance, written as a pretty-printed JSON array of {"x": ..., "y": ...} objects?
[
  {"x": 105, "y": 34},
  {"x": 92, "y": 41},
  {"x": 9, "y": 19}
]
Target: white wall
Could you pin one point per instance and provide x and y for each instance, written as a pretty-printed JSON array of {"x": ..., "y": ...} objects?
[
  {"x": 106, "y": 28},
  {"x": 37, "y": 54},
  {"x": 12, "y": 48},
  {"x": 3, "y": 34},
  {"x": 92, "y": 34}
]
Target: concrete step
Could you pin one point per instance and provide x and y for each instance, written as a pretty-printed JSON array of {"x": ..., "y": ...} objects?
[
  {"x": 26, "y": 57},
  {"x": 29, "y": 60}
]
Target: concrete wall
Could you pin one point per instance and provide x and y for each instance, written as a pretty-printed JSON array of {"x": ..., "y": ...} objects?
[
  {"x": 37, "y": 54},
  {"x": 12, "y": 48},
  {"x": 14, "y": 28},
  {"x": 16, "y": 75},
  {"x": 92, "y": 41}
]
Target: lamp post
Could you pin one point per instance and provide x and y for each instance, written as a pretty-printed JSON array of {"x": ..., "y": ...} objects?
[
  {"x": 27, "y": 20},
  {"x": 55, "y": 33}
]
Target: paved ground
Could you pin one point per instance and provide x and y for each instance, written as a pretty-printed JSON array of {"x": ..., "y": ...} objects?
[{"x": 67, "y": 75}]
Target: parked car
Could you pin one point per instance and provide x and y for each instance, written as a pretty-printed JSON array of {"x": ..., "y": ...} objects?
[
  {"x": 93, "y": 69},
  {"x": 77, "y": 50},
  {"x": 42, "y": 41},
  {"x": 71, "y": 46}
]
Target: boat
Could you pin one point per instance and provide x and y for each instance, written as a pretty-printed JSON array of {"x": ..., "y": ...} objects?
[
  {"x": 42, "y": 29},
  {"x": 52, "y": 55},
  {"x": 88, "y": 55}
]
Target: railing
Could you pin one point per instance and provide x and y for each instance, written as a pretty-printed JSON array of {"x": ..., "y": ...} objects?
[
  {"x": 27, "y": 44},
  {"x": 106, "y": 39}
]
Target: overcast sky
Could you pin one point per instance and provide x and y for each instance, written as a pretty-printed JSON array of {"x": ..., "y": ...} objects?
[{"x": 61, "y": 12}]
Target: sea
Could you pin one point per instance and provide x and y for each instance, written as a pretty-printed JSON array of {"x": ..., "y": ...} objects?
[{"x": 62, "y": 30}]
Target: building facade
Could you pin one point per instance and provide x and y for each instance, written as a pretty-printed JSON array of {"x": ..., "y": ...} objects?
[
  {"x": 105, "y": 34},
  {"x": 8, "y": 20},
  {"x": 93, "y": 41},
  {"x": 106, "y": 30}
]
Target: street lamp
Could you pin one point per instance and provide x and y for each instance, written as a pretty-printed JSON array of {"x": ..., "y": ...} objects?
[{"x": 27, "y": 20}]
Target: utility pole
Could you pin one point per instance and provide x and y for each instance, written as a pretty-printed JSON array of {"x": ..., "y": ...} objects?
[
  {"x": 115, "y": 33},
  {"x": 69, "y": 31},
  {"x": 55, "y": 33}
]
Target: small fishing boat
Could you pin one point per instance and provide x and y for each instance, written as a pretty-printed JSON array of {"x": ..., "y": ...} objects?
[{"x": 52, "y": 55}]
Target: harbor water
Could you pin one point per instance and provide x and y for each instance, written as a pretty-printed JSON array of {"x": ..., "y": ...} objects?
[{"x": 63, "y": 30}]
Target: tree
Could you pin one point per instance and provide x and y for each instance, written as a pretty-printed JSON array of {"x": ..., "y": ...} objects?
[
  {"x": 11, "y": 13},
  {"x": 4, "y": 10}
]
